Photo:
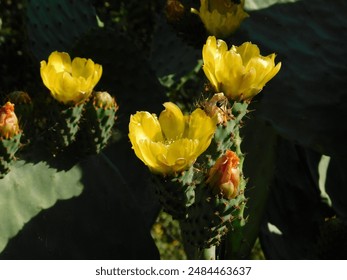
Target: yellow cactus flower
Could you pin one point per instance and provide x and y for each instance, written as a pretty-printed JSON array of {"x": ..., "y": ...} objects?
[
  {"x": 221, "y": 17},
  {"x": 171, "y": 143},
  {"x": 8, "y": 121},
  {"x": 70, "y": 82},
  {"x": 241, "y": 72}
]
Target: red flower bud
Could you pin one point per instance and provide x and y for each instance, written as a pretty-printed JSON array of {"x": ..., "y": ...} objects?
[{"x": 224, "y": 176}]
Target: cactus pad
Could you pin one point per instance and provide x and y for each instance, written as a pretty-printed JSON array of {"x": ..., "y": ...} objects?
[{"x": 8, "y": 148}]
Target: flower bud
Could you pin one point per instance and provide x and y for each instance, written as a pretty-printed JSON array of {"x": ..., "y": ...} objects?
[
  {"x": 102, "y": 99},
  {"x": 224, "y": 176},
  {"x": 8, "y": 121}
]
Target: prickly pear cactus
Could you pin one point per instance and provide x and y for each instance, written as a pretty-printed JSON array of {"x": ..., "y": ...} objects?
[
  {"x": 139, "y": 44},
  {"x": 207, "y": 198},
  {"x": 213, "y": 213}
]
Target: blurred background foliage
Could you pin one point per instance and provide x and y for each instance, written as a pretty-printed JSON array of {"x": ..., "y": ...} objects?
[{"x": 294, "y": 138}]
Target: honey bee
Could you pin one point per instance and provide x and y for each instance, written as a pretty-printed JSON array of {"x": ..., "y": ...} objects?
[{"x": 217, "y": 106}]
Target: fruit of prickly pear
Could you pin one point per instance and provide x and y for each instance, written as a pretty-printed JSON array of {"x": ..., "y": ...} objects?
[{"x": 100, "y": 119}]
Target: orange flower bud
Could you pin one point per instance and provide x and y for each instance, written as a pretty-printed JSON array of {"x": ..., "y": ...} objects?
[
  {"x": 8, "y": 121},
  {"x": 224, "y": 176}
]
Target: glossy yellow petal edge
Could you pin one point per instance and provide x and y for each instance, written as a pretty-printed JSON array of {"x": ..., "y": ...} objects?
[
  {"x": 70, "y": 82},
  {"x": 173, "y": 142},
  {"x": 240, "y": 72}
]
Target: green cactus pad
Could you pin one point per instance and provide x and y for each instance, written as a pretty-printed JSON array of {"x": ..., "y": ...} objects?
[
  {"x": 178, "y": 193},
  {"x": 65, "y": 125},
  {"x": 8, "y": 148},
  {"x": 211, "y": 217},
  {"x": 28, "y": 189}
]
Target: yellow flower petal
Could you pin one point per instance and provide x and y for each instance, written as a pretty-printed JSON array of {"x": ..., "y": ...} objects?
[
  {"x": 145, "y": 126},
  {"x": 247, "y": 51},
  {"x": 60, "y": 61},
  {"x": 182, "y": 154},
  {"x": 151, "y": 151},
  {"x": 82, "y": 67},
  {"x": 172, "y": 121}
]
